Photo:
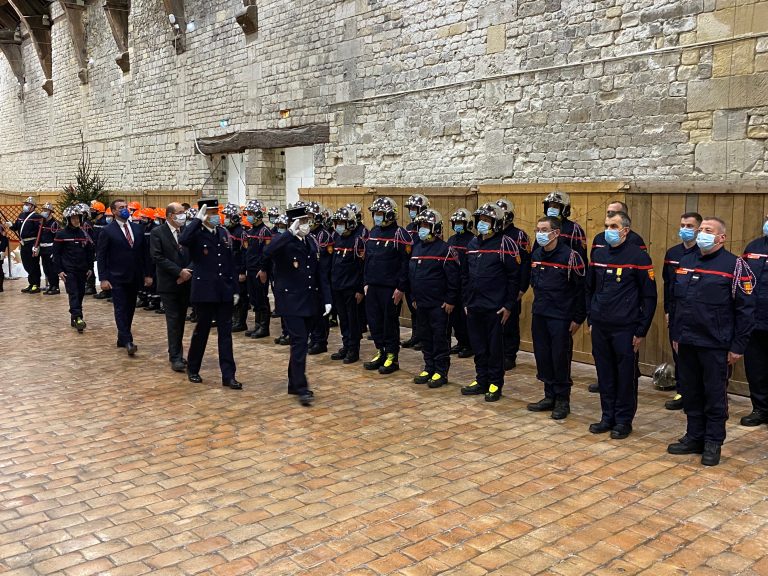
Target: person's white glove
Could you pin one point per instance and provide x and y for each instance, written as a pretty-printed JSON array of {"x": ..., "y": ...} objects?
[
  {"x": 294, "y": 228},
  {"x": 327, "y": 309},
  {"x": 201, "y": 213},
  {"x": 236, "y": 299}
]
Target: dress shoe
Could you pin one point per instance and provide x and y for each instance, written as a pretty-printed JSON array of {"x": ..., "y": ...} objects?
[
  {"x": 594, "y": 388},
  {"x": 131, "y": 347},
  {"x": 194, "y": 378},
  {"x": 437, "y": 381},
  {"x": 160, "y": 310},
  {"x": 390, "y": 365},
  {"x": 600, "y": 427},
  {"x": 621, "y": 431},
  {"x": 509, "y": 364},
  {"x": 34, "y": 289},
  {"x": 711, "y": 454},
  {"x": 456, "y": 349},
  {"x": 686, "y": 446},
  {"x": 340, "y": 354},
  {"x": 408, "y": 343},
  {"x": 755, "y": 418},
  {"x": 375, "y": 362},
  {"x": 239, "y": 328},
  {"x": 178, "y": 366},
  {"x": 232, "y": 383},
  {"x": 493, "y": 394},
  {"x": 52, "y": 292},
  {"x": 103, "y": 295},
  {"x": 316, "y": 349},
  {"x": 90, "y": 291},
  {"x": 306, "y": 398},
  {"x": 351, "y": 357},
  {"x": 418, "y": 346},
  {"x": 543, "y": 405},
  {"x": 422, "y": 378},
  {"x": 473, "y": 389},
  {"x": 561, "y": 410},
  {"x": 466, "y": 353},
  {"x": 675, "y": 403},
  {"x": 282, "y": 340}
]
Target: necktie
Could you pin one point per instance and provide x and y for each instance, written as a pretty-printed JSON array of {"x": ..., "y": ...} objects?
[{"x": 128, "y": 234}]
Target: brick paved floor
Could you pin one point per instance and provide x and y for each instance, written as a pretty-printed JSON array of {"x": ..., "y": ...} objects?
[{"x": 112, "y": 465}]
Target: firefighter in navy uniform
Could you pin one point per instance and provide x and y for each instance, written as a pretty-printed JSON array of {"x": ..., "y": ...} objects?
[
  {"x": 99, "y": 227},
  {"x": 756, "y": 354},
  {"x": 214, "y": 291},
  {"x": 3, "y": 251},
  {"x": 559, "y": 310},
  {"x": 347, "y": 282},
  {"x": 257, "y": 275},
  {"x": 461, "y": 225},
  {"x": 512, "y": 328},
  {"x": 689, "y": 225},
  {"x": 238, "y": 240},
  {"x": 98, "y": 221},
  {"x": 44, "y": 248},
  {"x": 280, "y": 227},
  {"x": 27, "y": 227},
  {"x": 415, "y": 204},
  {"x": 490, "y": 285},
  {"x": 301, "y": 292},
  {"x": 621, "y": 301},
  {"x": 712, "y": 319},
  {"x": 558, "y": 205},
  {"x": 318, "y": 339},
  {"x": 433, "y": 281},
  {"x": 363, "y": 233},
  {"x": 73, "y": 254},
  {"x": 385, "y": 275}
]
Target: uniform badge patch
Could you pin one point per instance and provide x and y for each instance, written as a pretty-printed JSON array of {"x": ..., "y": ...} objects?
[
  {"x": 408, "y": 248},
  {"x": 651, "y": 274},
  {"x": 295, "y": 264},
  {"x": 748, "y": 287},
  {"x": 330, "y": 249}
]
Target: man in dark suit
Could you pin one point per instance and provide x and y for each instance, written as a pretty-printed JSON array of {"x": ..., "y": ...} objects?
[
  {"x": 122, "y": 263},
  {"x": 174, "y": 273},
  {"x": 302, "y": 292},
  {"x": 214, "y": 291}
]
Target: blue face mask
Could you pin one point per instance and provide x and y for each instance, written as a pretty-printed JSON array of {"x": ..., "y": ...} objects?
[
  {"x": 542, "y": 238},
  {"x": 483, "y": 227},
  {"x": 340, "y": 229},
  {"x": 109, "y": 219},
  {"x": 214, "y": 220},
  {"x": 378, "y": 220},
  {"x": 705, "y": 240},
  {"x": 251, "y": 219},
  {"x": 687, "y": 234},
  {"x": 25, "y": 208},
  {"x": 553, "y": 212},
  {"x": 765, "y": 228},
  {"x": 272, "y": 219},
  {"x": 280, "y": 230},
  {"x": 412, "y": 214},
  {"x": 613, "y": 237},
  {"x": 124, "y": 213},
  {"x": 458, "y": 228},
  {"x": 424, "y": 233}
]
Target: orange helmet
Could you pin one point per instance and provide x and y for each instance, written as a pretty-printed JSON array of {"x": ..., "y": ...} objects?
[
  {"x": 109, "y": 212},
  {"x": 98, "y": 206},
  {"x": 147, "y": 213},
  {"x": 160, "y": 213},
  {"x": 134, "y": 206}
]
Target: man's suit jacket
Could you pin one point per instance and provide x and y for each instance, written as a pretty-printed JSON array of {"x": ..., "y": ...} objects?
[
  {"x": 118, "y": 261},
  {"x": 169, "y": 258}
]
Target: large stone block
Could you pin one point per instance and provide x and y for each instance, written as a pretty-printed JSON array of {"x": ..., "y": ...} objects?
[
  {"x": 715, "y": 25},
  {"x": 497, "y": 39},
  {"x": 349, "y": 175},
  {"x": 729, "y": 124},
  {"x": 744, "y": 156},
  {"x": 710, "y": 157}
]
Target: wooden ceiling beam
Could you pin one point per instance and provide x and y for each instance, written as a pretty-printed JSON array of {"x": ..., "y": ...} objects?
[
  {"x": 11, "y": 48},
  {"x": 117, "y": 12},
  {"x": 74, "y": 13}
]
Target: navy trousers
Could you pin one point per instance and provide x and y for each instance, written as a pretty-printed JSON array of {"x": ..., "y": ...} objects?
[
  {"x": 383, "y": 318},
  {"x": 49, "y": 267},
  {"x": 298, "y": 328},
  {"x": 75, "y": 286},
  {"x": 756, "y": 365},
  {"x": 553, "y": 350},
  {"x": 349, "y": 319},
  {"x": 435, "y": 339},
  {"x": 487, "y": 340},
  {"x": 615, "y": 363},
  {"x": 31, "y": 264},
  {"x": 458, "y": 324},
  {"x": 320, "y": 330},
  {"x": 176, "y": 304},
  {"x": 124, "y": 304},
  {"x": 206, "y": 312},
  {"x": 512, "y": 333},
  {"x": 258, "y": 295},
  {"x": 704, "y": 374}
]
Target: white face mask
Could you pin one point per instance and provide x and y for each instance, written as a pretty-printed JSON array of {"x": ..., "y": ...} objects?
[
  {"x": 304, "y": 229},
  {"x": 180, "y": 219}
]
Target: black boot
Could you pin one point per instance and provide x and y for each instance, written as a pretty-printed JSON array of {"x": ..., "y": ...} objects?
[
  {"x": 561, "y": 410},
  {"x": 543, "y": 405},
  {"x": 262, "y": 328},
  {"x": 711, "y": 455},
  {"x": 2, "y": 279},
  {"x": 240, "y": 317}
]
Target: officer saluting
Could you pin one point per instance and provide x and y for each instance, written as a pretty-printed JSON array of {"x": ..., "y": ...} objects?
[
  {"x": 302, "y": 292},
  {"x": 214, "y": 290},
  {"x": 712, "y": 319}
]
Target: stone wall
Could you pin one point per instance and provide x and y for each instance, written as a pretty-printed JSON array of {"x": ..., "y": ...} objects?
[{"x": 417, "y": 93}]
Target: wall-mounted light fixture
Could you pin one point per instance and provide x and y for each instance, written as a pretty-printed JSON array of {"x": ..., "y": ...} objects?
[{"x": 285, "y": 113}]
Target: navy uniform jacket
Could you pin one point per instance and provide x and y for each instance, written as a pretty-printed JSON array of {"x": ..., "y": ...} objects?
[
  {"x": 671, "y": 264},
  {"x": 237, "y": 237},
  {"x": 48, "y": 233},
  {"x": 324, "y": 241},
  {"x": 348, "y": 261},
  {"x": 118, "y": 261},
  {"x": 73, "y": 250},
  {"x": 148, "y": 227},
  {"x": 524, "y": 244},
  {"x": 574, "y": 235},
  {"x": 756, "y": 255},
  {"x": 27, "y": 226},
  {"x": 714, "y": 305},
  {"x": 98, "y": 226},
  {"x": 459, "y": 242},
  {"x": 301, "y": 282},
  {"x": 632, "y": 238},
  {"x": 214, "y": 277},
  {"x": 490, "y": 274},
  {"x": 257, "y": 238},
  {"x": 3, "y": 240},
  {"x": 434, "y": 274},
  {"x": 557, "y": 278},
  {"x": 386, "y": 257},
  {"x": 621, "y": 288}
]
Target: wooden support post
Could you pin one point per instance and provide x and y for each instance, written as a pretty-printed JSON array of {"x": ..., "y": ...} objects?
[
  {"x": 12, "y": 50},
  {"x": 74, "y": 13},
  {"x": 117, "y": 12},
  {"x": 179, "y": 25}
]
